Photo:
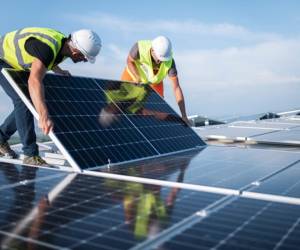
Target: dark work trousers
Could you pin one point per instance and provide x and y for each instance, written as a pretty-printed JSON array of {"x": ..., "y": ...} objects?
[{"x": 20, "y": 119}]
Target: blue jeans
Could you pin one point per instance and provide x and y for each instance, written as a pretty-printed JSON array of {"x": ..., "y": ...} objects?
[{"x": 20, "y": 119}]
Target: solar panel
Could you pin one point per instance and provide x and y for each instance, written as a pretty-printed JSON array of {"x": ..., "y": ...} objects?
[
  {"x": 226, "y": 132},
  {"x": 284, "y": 183},
  {"x": 87, "y": 212},
  {"x": 276, "y": 124},
  {"x": 13, "y": 174},
  {"x": 98, "y": 122},
  {"x": 280, "y": 131},
  {"x": 288, "y": 137},
  {"x": 151, "y": 115},
  {"x": 243, "y": 224},
  {"x": 80, "y": 211},
  {"x": 232, "y": 168}
]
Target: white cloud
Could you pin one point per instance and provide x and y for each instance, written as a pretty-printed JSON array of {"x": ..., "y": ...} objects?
[
  {"x": 226, "y": 81},
  {"x": 266, "y": 63},
  {"x": 189, "y": 26}
]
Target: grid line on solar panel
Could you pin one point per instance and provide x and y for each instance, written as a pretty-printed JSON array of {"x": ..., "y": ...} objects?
[
  {"x": 64, "y": 110},
  {"x": 77, "y": 204},
  {"x": 239, "y": 228},
  {"x": 234, "y": 168},
  {"x": 79, "y": 210},
  {"x": 152, "y": 118},
  {"x": 143, "y": 136},
  {"x": 44, "y": 245},
  {"x": 287, "y": 235},
  {"x": 110, "y": 237},
  {"x": 14, "y": 175},
  {"x": 241, "y": 224},
  {"x": 79, "y": 115},
  {"x": 284, "y": 183}
]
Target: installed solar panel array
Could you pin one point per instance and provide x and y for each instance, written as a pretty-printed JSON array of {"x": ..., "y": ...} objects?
[
  {"x": 280, "y": 131},
  {"x": 51, "y": 209},
  {"x": 100, "y": 121}
]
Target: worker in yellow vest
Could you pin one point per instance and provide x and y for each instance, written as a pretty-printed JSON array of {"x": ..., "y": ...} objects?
[
  {"x": 38, "y": 50},
  {"x": 150, "y": 62}
]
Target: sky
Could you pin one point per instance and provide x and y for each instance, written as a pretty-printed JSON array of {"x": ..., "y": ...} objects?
[{"x": 233, "y": 57}]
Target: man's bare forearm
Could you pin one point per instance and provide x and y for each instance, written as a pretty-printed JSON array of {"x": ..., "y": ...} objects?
[
  {"x": 181, "y": 105},
  {"x": 36, "y": 90},
  {"x": 179, "y": 96}
]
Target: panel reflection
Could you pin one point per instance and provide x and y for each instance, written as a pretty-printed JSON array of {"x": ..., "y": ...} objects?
[
  {"x": 129, "y": 98},
  {"x": 84, "y": 211}
]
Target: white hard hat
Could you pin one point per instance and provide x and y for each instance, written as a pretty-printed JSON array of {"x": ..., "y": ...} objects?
[
  {"x": 87, "y": 42},
  {"x": 162, "y": 48}
]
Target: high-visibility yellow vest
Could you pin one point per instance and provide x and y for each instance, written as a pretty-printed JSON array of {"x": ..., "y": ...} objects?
[
  {"x": 12, "y": 46},
  {"x": 145, "y": 67}
]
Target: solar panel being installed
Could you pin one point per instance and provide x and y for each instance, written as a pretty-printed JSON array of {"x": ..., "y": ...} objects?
[
  {"x": 100, "y": 121},
  {"x": 151, "y": 115}
]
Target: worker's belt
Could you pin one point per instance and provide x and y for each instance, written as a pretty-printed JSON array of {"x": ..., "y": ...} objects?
[{"x": 1, "y": 47}]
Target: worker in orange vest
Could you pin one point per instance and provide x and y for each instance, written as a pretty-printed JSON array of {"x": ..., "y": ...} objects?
[{"x": 150, "y": 62}]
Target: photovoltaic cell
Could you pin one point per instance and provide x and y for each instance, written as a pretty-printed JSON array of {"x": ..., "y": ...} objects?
[
  {"x": 243, "y": 224},
  {"x": 93, "y": 213},
  {"x": 152, "y": 116},
  {"x": 14, "y": 174},
  {"x": 101, "y": 121},
  {"x": 227, "y": 167},
  {"x": 286, "y": 182}
]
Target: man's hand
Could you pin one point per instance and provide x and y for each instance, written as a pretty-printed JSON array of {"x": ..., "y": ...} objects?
[
  {"x": 46, "y": 124},
  {"x": 60, "y": 71},
  {"x": 65, "y": 73}
]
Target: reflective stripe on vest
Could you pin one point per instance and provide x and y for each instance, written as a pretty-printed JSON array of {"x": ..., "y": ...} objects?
[
  {"x": 145, "y": 67},
  {"x": 19, "y": 36},
  {"x": 18, "y": 57}
]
